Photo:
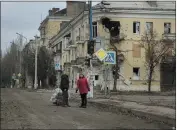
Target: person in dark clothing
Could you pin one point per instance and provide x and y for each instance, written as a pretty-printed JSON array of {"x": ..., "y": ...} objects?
[
  {"x": 83, "y": 87},
  {"x": 13, "y": 80},
  {"x": 64, "y": 86}
]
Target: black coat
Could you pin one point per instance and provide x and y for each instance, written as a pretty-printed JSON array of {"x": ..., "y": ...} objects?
[{"x": 64, "y": 82}]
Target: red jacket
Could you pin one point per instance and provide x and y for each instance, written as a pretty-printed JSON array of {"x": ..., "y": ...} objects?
[{"x": 82, "y": 85}]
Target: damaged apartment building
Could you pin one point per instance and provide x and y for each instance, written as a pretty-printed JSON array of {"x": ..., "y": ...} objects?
[{"x": 70, "y": 44}]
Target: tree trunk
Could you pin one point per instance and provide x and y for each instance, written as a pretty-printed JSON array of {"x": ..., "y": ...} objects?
[
  {"x": 38, "y": 83},
  {"x": 43, "y": 83},
  {"x": 149, "y": 81}
]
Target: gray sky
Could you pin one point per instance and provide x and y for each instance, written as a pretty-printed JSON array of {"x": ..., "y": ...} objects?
[{"x": 23, "y": 17}]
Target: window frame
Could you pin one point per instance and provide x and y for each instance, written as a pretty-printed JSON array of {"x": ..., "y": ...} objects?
[
  {"x": 148, "y": 30},
  {"x": 94, "y": 29},
  {"x": 169, "y": 31},
  {"x": 135, "y": 31}
]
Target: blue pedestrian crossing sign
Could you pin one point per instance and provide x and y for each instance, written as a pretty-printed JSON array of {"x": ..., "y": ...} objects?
[
  {"x": 57, "y": 66},
  {"x": 111, "y": 57}
]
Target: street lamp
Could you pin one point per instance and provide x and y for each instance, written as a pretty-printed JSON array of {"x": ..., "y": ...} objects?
[
  {"x": 35, "y": 80},
  {"x": 21, "y": 48},
  {"x": 22, "y": 36}
]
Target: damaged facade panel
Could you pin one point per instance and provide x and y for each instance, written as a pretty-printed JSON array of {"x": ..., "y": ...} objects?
[{"x": 113, "y": 27}]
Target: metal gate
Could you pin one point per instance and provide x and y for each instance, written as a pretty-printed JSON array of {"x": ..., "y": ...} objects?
[{"x": 168, "y": 76}]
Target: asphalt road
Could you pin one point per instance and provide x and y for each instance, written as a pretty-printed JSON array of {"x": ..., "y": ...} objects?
[{"x": 21, "y": 109}]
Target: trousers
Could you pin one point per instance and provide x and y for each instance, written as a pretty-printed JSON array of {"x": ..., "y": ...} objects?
[
  {"x": 65, "y": 97},
  {"x": 84, "y": 99}
]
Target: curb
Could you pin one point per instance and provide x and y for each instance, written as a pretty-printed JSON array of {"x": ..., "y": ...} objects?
[{"x": 127, "y": 111}]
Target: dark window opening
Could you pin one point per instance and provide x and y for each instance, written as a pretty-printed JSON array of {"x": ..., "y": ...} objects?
[
  {"x": 136, "y": 73},
  {"x": 136, "y": 27},
  {"x": 68, "y": 35},
  {"x": 114, "y": 28},
  {"x": 94, "y": 29},
  {"x": 96, "y": 77}
]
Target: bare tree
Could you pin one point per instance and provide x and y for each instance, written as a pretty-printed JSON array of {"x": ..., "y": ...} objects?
[
  {"x": 155, "y": 50},
  {"x": 115, "y": 38}
]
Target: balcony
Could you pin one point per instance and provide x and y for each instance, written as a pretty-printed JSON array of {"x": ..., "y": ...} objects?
[
  {"x": 80, "y": 40},
  {"x": 169, "y": 37},
  {"x": 53, "y": 53},
  {"x": 168, "y": 59},
  {"x": 73, "y": 62},
  {"x": 66, "y": 43},
  {"x": 71, "y": 44},
  {"x": 58, "y": 51}
]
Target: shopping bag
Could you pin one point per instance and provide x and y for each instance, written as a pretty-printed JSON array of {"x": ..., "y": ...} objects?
[
  {"x": 88, "y": 95},
  {"x": 54, "y": 95}
]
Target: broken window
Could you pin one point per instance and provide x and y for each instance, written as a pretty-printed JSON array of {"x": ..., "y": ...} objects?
[
  {"x": 96, "y": 77},
  {"x": 136, "y": 73},
  {"x": 114, "y": 28},
  {"x": 136, "y": 27},
  {"x": 149, "y": 27},
  {"x": 94, "y": 29},
  {"x": 167, "y": 28}
]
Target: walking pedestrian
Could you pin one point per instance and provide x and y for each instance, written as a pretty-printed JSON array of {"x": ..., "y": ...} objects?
[
  {"x": 13, "y": 80},
  {"x": 83, "y": 87},
  {"x": 64, "y": 86}
]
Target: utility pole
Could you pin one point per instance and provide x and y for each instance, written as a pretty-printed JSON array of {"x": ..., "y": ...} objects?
[
  {"x": 36, "y": 52},
  {"x": 90, "y": 39},
  {"x": 21, "y": 42},
  {"x": 21, "y": 48}
]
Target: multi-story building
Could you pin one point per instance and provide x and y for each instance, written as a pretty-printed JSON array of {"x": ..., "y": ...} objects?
[
  {"x": 56, "y": 18},
  {"x": 51, "y": 24},
  {"x": 135, "y": 18}
]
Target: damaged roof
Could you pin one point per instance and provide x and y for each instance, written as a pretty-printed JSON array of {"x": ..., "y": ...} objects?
[{"x": 139, "y": 5}]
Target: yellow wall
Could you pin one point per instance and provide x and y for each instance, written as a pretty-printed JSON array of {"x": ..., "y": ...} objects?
[
  {"x": 131, "y": 38},
  {"x": 52, "y": 28}
]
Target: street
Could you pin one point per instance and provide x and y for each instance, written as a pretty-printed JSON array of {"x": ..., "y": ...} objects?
[{"x": 21, "y": 109}]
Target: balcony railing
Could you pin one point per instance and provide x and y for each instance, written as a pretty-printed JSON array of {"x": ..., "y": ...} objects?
[
  {"x": 58, "y": 51},
  {"x": 169, "y": 36}
]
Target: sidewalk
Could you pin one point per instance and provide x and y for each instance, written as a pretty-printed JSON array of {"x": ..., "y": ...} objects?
[{"x": 129, "y": 104}]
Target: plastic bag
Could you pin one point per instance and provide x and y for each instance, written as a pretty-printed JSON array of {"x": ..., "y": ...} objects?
[
  {"x": 56, "y": 92},
  {"x": 54, "y": 95},
  {"x": 89, "y": 95}
]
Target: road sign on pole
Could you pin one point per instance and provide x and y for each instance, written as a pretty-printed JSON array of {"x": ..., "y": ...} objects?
[
  {"x": 110, "y": 58},
  {"x": 57, "y": 66},
  {"x": 101, "y": 54}
]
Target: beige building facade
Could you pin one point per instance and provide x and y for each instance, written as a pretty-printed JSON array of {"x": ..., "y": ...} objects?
[{"x": 71, "y": 41}]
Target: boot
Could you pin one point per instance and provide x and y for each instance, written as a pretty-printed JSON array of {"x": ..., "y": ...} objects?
[{"x": 67, "y": 103}]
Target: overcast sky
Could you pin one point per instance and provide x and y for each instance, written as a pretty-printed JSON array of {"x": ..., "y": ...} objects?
[{"x": 23, "y": 17}]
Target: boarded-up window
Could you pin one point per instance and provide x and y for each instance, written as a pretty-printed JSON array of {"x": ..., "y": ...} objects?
[{"x": 136, "y": 50}]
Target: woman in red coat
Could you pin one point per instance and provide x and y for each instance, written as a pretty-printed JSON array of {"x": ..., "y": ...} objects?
[{"x": 83, "y": 86}]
